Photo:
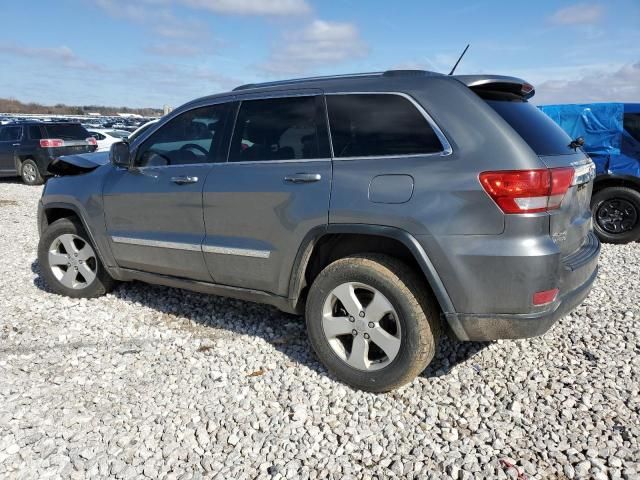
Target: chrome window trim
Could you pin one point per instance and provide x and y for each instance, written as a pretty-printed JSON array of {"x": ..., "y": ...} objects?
[
  {"x": 269, "y": 162},
  {"x": 242, "y": 252},
  {"x": 446, "y": 146}
]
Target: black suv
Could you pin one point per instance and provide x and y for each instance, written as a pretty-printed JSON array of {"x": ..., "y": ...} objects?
[{"x": 27, "y": 148}]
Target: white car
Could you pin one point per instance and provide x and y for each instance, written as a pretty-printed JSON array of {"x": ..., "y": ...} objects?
[{"x": 106, "y": 137}]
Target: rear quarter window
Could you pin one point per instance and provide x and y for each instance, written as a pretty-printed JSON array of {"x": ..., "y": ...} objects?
[
  {"x": 66, "y": 131},
  {"x": 541, "y": 133},
  {"x": 373, "y": 125}
]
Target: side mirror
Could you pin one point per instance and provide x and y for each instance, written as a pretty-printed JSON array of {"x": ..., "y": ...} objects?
[{"x": 119, "y": 155}]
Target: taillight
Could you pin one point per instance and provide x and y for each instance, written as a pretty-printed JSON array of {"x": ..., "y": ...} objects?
[
  {"x": 528, "y": 191},
  {"x": 51, "y": 142},
  {"x": 92, "y": 141}
]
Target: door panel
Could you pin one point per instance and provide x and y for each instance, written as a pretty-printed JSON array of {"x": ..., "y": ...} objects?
[
  {"x": 255, "y": 220},
  {"x": 9, "y": 143},
  {"x": 156, "y": 224},
  {"x": 153, "y": 211},
  {"x": 274, "y": 189}
]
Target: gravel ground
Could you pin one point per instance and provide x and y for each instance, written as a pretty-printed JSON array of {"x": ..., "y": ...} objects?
[{"x": 163, "y": 383}]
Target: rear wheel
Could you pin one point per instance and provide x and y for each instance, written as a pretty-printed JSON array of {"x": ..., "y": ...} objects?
[
  {"x": 616, "y": 214},
  {"x": 69, "y": 263},
  {"x": 372, "y": 322},
  {"x": 30, "y": 173}
]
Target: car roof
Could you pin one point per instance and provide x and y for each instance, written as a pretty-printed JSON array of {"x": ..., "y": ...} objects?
[{"x": 390, "y": 80}]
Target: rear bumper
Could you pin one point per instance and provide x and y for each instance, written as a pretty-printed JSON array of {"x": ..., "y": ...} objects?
[{"x": 578, "y": 276}]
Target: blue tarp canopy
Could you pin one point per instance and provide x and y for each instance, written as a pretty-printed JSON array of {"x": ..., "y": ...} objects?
[
  {"x": 613, "y": 150},
  {"x": 600, "y": 124}
]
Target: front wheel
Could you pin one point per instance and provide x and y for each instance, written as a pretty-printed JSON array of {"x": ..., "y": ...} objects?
[
  {"x": 372, "y": 322},
  {"x": 69, "y": 263},
  {"x": 616, "y": 214}
]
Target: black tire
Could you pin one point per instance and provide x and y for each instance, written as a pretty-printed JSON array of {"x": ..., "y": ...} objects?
[
  {"x": 409, "y": 295},
  {"x": 30, "y": 173},
  {"x": 614, "y": 203},
  {"x": 101, "y": 284}
]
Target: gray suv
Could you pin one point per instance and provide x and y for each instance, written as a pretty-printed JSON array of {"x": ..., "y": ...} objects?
[{"x": 388, "y": 207}]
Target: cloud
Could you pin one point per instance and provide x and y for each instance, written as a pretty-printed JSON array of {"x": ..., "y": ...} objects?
[
  {"x": 251, "y": 7},
  {"x": 143, "y": 8},
  {"x": 174, "y": 50},
  {"x": 156, "y": 15},
  {"x": 618, "y": 85},
  {"x": 320, "y": 43},
  {"x": 61, "y": 55},
  {"x": 578, "y": 14}
]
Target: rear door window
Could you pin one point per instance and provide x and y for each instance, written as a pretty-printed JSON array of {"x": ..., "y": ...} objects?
[
  {"x": 291, "y": 128},
  {"x": 66, "y": 131},
  {"x": 34, "y": 132},
  {"x": 373, "y": 125},
  {"x": 541, "y": 133}
]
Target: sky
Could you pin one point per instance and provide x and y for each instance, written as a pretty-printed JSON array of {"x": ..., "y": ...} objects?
[{"x": 148, "y": 53}]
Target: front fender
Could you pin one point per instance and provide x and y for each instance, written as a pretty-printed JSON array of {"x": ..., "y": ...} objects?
[{"x": 82, "y": 194}]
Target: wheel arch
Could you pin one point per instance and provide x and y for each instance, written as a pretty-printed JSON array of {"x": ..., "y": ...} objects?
[
  {"x": 609, "y": 180},
  {"x": 50, "y": 212},
  {"x": 326, "y": 244}
]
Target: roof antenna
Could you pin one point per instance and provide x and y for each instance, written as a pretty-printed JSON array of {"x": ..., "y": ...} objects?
[{"x": 459, "y": 58}]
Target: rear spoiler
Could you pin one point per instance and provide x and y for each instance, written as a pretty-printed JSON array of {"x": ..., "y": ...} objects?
[{"x": 497, "y": 84}]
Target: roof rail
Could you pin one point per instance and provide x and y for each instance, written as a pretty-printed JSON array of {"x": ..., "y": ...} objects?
[
  {"x": 409, "y": 73},
  {"x": 306, "y": 79}
]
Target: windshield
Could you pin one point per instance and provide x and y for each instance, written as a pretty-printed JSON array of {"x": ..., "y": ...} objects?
[
  {"x": 542, "y": 134},
  {"x": 118, "y": 133},
  {"x": 66, "y": 131}
]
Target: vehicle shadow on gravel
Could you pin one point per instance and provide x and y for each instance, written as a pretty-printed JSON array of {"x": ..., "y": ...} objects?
[
  {"x": 287, "y": 333},
  {"x": 12, "y": 180}
]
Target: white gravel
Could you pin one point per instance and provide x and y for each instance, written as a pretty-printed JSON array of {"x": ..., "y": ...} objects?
[{"x": 163, "y": 383}]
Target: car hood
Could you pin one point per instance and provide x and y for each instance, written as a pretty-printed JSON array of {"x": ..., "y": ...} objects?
[{"x": 78, "y": 164}]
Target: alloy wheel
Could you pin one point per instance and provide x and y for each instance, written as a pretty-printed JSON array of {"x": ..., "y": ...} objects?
[
  {"x": 361, "y": 326},
  {"x": 617, "y": 215},
  {"x": 73, "y": 261},
  {"x": 29, "y": 173}
]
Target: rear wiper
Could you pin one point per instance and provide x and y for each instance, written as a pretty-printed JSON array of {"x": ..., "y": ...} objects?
[{"x": 578, "y": 142}]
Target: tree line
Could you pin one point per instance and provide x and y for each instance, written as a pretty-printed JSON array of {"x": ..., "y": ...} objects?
[{"x": 10, "y": 105}]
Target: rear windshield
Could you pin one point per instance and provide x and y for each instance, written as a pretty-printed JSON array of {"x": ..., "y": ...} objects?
[
  {"x": 66, "y": 131},
  {"x": 542, "y": 134}
]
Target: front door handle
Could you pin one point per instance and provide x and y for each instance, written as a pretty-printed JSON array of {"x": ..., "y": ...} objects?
[
  {"x": 183, "y": 180},
  {"x": 16, "y": 144},
  {"x": 303, "y": 178}
]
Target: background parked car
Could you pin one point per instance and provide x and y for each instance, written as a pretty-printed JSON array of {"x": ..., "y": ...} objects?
[
  {"x": 27, "y": 148},
  {"x": 107, "y": 137},
  {"x": 611, "y": 133}
]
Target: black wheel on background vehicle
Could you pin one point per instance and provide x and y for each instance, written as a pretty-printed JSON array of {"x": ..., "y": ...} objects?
[
  {"x": 69, "y": 262},
  {"x": 372, "y": 321},
  {"x": 616, "y": 214},
  {"x": 30, "y": 173}
]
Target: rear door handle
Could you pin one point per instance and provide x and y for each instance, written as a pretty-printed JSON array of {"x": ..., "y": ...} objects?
[
  {"x": 183, "y": 180},
  {"x": 303, "y": 178},
  {"x": 16, "y": 144}
]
